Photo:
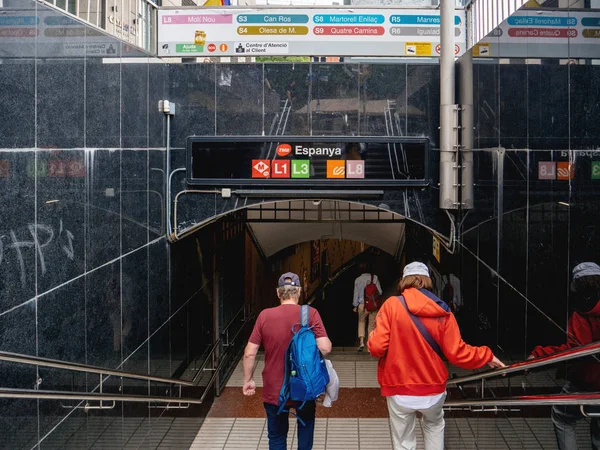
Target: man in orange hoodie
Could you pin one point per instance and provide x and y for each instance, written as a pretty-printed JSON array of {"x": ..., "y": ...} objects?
[
  {"x": 411, "y": 334},
  {"x": 584, "y": 374}
]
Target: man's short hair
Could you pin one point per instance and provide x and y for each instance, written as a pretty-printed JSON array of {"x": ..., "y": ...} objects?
[{"x": 287, "y": 292}]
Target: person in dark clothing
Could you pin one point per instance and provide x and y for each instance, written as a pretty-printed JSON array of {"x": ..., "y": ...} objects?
[{"x": 584, "y": 375}]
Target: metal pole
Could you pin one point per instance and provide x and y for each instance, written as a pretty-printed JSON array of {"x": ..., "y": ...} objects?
[
  {"x": 168, "y": 176},
  {"x": 467, "y": 124},
  {"x": 448, "y": 149}
]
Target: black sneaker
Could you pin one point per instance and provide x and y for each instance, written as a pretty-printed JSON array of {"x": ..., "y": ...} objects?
[{"x": 361, "y": 348}]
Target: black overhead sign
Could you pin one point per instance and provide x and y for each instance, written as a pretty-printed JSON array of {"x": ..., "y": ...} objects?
[{"x": 307, "y": 161}]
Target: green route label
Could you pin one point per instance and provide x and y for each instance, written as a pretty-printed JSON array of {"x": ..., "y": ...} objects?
[
  {"x": 189, "y": 48},
  {"x": 595, "y": 170},
  {"x": 300, "y": 168}
]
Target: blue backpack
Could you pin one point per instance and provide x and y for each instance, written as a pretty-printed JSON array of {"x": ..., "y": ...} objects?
[{"x": 305, "y": 372}]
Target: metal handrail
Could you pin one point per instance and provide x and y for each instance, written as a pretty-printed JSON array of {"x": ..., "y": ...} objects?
[
  {"x": 66, "y": 395},
  {"x": 220, "y": 340},
  {"x": 578, "y": 352},
  {"x": 530, "y": 400},
  {"x": 219, "y": 367},
  {"x": 47, "y": 362}
]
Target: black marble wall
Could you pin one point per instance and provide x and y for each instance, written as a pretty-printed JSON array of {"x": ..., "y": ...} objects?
[
  {"x": 532, "y": 223},
  {"x": 85, "y": 272}
]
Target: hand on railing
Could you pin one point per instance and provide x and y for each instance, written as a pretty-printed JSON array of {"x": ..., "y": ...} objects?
[{"x": 495, "y": 363}]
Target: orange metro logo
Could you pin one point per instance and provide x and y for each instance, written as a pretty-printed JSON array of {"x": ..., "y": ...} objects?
[
  {"x": 336, "y": 168},
  {"x": 261, "y": 168},
  {"x": 284, "y": 150}
]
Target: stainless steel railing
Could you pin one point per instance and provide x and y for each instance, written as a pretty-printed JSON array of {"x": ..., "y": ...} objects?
[
  {"x": 577, "y": 352},
  {"x": 529, "y": 400},
  {"x": 225, "y": 340},
  {"x": 67, "y": 395},
  {"x": 47, "y": 362}
]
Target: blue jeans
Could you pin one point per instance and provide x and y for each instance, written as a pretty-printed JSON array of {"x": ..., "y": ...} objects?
[
  {"x": 565, "y": 420},
  {"x": 278, "y": 426}
]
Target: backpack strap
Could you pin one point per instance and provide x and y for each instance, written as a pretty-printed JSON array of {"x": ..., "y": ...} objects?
[
  {"x": 304, "y": 315},
  {"x": 422, "y": 329}
]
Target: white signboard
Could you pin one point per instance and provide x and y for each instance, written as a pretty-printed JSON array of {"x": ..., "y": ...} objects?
[
  {"x": 304, "y": 32},
  {"x": 536, "y": 33}
]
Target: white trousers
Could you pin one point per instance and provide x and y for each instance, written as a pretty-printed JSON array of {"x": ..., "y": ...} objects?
[{"x": 402, "y": 422}]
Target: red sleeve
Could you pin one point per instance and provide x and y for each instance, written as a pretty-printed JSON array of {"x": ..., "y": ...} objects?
[
  {"x": 579, "y": 329},
  {"x": 317, "y": 324},
  {"x": 256, "y": 336},
  {"x": 459, "y": 352}
]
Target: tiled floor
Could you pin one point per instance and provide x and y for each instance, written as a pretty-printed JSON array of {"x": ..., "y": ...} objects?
[
  {"x": 374, "y": 434},
  {"x": 340, "y": 429}
]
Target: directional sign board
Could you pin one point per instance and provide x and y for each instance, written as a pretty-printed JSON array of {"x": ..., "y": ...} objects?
[
  {"x": 304, "y": 32},
  {"x": 537, "y": 33},
  {"x": 292, "y": 161}
]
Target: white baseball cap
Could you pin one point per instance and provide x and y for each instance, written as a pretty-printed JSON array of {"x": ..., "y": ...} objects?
[
  {"x": 584, "y": 269},
  {"x": 415, "y": 268}
]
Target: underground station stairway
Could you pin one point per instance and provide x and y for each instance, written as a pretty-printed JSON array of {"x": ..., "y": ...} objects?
[{"x": 358, "y": 420}]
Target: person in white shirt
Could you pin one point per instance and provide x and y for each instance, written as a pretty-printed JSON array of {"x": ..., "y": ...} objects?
[{"x": 359, "y": 303}]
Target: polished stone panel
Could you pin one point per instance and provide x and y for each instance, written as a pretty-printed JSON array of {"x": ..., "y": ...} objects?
[
  {"x": 104, "y": 316},
  {"x": 17, "y": 95},
  {"x": 62, "y": 336},
  {"x": 158, "y": 301},
  {"x": 102, "y": 107},
  {"x": 61, "y": 104},
  {"x": 104, "y": 209},
  {"x": 134, "y": 105},
  {"x": 17, "y": 225},
  {"x": 61, "y": 224},
  {"x": 156, "y": 194},
  {"x": 239, "y": 99},
  {"x": 134, "y": 199},
  {"x": 192, "y": 88},
  {"x": 158, "y": 76},
  {"x": 134, "y": 291}
]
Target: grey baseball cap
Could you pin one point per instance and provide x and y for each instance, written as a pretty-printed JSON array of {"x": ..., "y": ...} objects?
[{"x": 289, "y": 279}]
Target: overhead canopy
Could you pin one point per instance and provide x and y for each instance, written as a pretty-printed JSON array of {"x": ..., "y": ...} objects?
[{"x": 281, "y": 224}]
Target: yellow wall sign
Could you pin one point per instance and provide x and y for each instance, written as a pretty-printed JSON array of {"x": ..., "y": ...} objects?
[
  {"x": 482, "y": 50},
  {"x": 417, "y": 49}
]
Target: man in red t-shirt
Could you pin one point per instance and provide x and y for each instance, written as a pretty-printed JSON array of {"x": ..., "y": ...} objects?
[{"x": 273, "y": 330}]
